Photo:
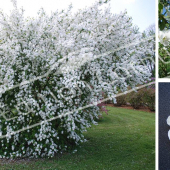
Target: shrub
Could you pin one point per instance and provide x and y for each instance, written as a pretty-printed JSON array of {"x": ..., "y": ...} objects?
[
  {"x": 135, "y": 99},
  {"x": 143, "y": 97},
  {"x": 120, "y": 101},
  {"x": 53, "y": 69},
  {"x": 149, "y": 98}
]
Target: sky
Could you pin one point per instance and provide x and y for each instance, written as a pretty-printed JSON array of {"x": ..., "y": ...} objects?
[{"x": 141, "y": 11}]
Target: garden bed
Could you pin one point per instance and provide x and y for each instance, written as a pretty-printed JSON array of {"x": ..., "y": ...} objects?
[{"x": 142, "y": 108}]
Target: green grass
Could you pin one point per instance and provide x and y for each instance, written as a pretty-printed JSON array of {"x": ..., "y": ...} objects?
[{"x": 123, "y": 140}]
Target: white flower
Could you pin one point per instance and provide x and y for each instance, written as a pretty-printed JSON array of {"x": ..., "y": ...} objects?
[
  {"x": 168, "y": 120},
  {"x": 169, "y": 134},
  {"x": 164, "y": 37}
]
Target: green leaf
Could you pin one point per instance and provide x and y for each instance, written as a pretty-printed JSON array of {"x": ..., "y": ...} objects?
[{"x": 160, "y": 6}]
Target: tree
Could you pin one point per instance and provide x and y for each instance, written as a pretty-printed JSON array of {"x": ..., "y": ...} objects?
[
  {"x": 53, "y": 69},
  {"x": 150, "y": 57}
]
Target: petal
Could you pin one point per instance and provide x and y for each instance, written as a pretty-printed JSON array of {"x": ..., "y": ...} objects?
[
  {"x": 169, "y": 134},
  {"x": 168, "y": 120}
]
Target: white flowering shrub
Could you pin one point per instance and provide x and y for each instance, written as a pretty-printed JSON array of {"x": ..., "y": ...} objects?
[
  {"x": 164, "y": 38},
  {"x": 164, "y": 53},
  {"x": 53, "y": 71}
]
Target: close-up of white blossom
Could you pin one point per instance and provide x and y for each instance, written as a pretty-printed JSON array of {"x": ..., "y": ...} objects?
[{"x": 164, "y": 37}]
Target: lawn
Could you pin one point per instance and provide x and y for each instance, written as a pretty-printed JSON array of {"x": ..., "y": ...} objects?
[{"x": 123, "y": 140}]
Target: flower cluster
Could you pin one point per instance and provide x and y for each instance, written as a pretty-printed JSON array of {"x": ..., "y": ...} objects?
[
  {"x": 164, "y": 37},
  {"x": 53, "y": 70}
]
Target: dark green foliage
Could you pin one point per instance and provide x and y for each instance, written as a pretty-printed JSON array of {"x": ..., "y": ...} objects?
[
  {"x": 135, "y": 99},
  {"x": 149, "y": 98},
  {"x": 144, "y": 97},
  {"x": 162, "y": 12},
  {"x": 120, "y": 100}
]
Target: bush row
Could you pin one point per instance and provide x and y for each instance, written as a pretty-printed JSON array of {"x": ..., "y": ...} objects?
[{"x": 143, "y": 97}]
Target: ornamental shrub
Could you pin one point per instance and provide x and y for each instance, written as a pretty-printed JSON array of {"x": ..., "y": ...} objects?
[
  {"x": 121, "y": 100},
  {"x": 52, "y": 71},
  {"x": 135, "y": 99},
  {"x": 149, "y": 98},
  {"x": 164, "y": 38}
]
